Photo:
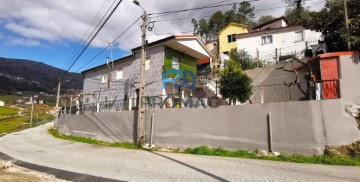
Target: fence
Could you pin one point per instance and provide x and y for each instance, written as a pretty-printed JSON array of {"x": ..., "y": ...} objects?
[
  {"x": 108, "y": 106},
  {"x": 192, "y": 99},
  {"x": 313, "y": 90}
]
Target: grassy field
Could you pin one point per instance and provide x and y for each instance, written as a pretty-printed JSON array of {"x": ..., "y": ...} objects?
[
  {"x": 13, "y": 124},
  {"x": 9, "y": 122},
  {"x": 7, "y": 111}
]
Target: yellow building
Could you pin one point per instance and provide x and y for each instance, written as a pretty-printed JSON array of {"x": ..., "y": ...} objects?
[{"x": 227, "y": 39}]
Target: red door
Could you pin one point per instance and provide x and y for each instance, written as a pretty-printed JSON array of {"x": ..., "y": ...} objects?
[{"x": 330, "y": 77}]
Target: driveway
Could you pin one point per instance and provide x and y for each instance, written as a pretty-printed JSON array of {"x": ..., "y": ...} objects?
[{"x": 36, "y": 149}]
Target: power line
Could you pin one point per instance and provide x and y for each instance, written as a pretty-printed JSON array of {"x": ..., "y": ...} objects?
[
  {"x": 173, "y": 33},
  {"x": 129, "y": 36},
  {"x": 111, "y": 42},
  {"x": 87, "y": 42},
  {"x": 95, "y": 28},
  {"x": 197, "y": 8},
  {"x": 95, "y": 19},
  {"x": 256, "y": 10},
  {"x": 105, "y": 49},
  {"x": 180, "y": 19},
  {"x": 97, "y": 32}
]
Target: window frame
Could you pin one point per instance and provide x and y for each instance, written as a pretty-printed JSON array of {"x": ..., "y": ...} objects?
[
  {"x": 302, "y": 36},
  {"x": 104, "y": 78},
  {"x": 117, "y": 74},
  {"x": 175, "y": 66},
  {"x": 265, "y": 37},
  {"x": 147, "y": 64},
  {"x": 231, "y": 38}
]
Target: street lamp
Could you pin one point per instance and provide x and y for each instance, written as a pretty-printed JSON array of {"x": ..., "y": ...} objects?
[{"x": 141, "y": 109}]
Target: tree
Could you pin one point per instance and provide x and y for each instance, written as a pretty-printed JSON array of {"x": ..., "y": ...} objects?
[
  {"x": 244, "y": 60},
  {"x": 246, "y": 13},
  {"x": 331, "y": 23},
  {"x": 234, "y": 84},
  {"x": 297, "y": 16},
  {"x": 264, "y": 18},
  {"x": 201, "y": 27},
  {"x": 242, "y": 13}
]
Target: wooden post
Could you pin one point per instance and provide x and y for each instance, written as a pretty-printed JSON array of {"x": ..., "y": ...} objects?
[{"x": 276, "y": 55}]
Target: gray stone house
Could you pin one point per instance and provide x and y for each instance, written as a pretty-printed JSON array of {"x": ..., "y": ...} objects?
[{"x": 118, "y": 81}]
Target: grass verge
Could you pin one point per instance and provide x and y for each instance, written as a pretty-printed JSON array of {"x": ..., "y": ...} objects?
[
  {"x": 204, "y": 150},
  {"x": 56, "y": 134},
  {"x": 315, "y": 159}
]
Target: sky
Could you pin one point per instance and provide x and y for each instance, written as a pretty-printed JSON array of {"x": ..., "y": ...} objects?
[{"x": 51, "y": 31}]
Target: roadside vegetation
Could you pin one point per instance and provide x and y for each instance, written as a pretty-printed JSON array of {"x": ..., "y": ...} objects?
[
  {"x": 314, "y": 159},
  {"x": 11, "y": 124},
  {"x": 204, "y": 150},
  {"x": 56, "y": 134}
]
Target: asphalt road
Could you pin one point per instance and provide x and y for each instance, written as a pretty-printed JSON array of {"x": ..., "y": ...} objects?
[{"x": 37, "y": 149}]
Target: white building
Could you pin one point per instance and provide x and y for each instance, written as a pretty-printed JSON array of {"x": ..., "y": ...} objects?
[
  {"x": 2, "y": 103},
  {"x": 274, "y": 40}
]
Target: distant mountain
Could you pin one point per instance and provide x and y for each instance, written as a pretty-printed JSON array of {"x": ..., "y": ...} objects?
[{"x": 26, "y": 75}]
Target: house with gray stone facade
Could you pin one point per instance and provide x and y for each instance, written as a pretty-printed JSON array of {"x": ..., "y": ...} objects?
[{"x": 170, "y": 63}]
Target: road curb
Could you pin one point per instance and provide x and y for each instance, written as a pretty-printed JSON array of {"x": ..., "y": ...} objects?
[{"x": 58, "y": 173}]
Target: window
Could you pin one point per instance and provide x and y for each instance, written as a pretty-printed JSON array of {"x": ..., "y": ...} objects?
[
  {"x": 104, "y": 78},
  {"x": 87, "y": 100},
  {"x": 147, "y": 63},
  {"x": 175, "y": 63},
  {"x": 299, "y": 36},
  {"x": 266, "y": 39},
  {"x": 119, "y": 74},
  {"x": 231, "y": 38}
]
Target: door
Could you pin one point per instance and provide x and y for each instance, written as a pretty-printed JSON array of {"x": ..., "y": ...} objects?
[{"x": 329, "y": 77}]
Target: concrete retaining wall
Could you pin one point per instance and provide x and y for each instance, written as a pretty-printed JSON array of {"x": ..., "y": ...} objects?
[{"x": 297, "y": 127}]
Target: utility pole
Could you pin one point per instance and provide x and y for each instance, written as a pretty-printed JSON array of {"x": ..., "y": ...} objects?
[
  {"x": 32, "y": 109},
  {"x": 58, "y": 95},
  {"x": 347, "y": 25},
  {"x": 70, "y": 105},
  {"x": 141, "y": 110}
]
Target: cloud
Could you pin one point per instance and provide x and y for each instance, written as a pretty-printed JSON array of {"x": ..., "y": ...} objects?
[
  {"x": 54, "y": 21},
  {"x": 23, "y": 42}
]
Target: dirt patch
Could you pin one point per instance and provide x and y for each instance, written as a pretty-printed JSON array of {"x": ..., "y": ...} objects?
[
  {"x": 12, "y": 173},
  {"x": 352, "y": 150}
]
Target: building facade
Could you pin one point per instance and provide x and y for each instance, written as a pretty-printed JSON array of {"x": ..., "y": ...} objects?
[
  {"x": 166, "y": 61},
  {"x": 275, "y": 41},
  {"x": 227, "y": 39}
]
